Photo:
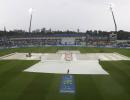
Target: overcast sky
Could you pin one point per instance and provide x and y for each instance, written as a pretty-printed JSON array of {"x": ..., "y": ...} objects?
[{"x": 65, "y": 14}]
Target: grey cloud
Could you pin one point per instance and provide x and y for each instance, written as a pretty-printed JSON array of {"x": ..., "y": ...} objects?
[{"x": 64, "y": 14}]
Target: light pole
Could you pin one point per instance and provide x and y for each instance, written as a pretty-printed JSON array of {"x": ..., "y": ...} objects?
[
  {"x": 113, "y": 18},
  {"x": 115, "y": 35},
  {"x": 30, "y": 23}
]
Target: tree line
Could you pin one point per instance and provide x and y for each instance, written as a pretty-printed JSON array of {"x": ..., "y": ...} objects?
[{"x": 121, "y": 35}]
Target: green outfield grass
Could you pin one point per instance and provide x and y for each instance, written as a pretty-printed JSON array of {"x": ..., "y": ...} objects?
[
  {"x": 18, "y": 85},
  {"x": 55, "y": 49}
]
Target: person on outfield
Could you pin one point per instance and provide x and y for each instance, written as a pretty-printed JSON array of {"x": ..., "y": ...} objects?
[{"x": 68, "y": 71}]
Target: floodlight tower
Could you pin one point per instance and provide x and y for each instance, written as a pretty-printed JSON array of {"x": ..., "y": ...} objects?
[
  {"x": 113, "y": 18},
  {"x": 4, "y": 29},
  {"x": 30, "y": 24},
  {"x": 115, "y": 35}
]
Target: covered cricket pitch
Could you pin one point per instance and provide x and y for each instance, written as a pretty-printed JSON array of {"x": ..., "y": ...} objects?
[{"x": 62, "y": 61}]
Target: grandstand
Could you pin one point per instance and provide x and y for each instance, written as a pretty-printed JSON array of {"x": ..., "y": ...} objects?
[{"x": 63, "y": 39}]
